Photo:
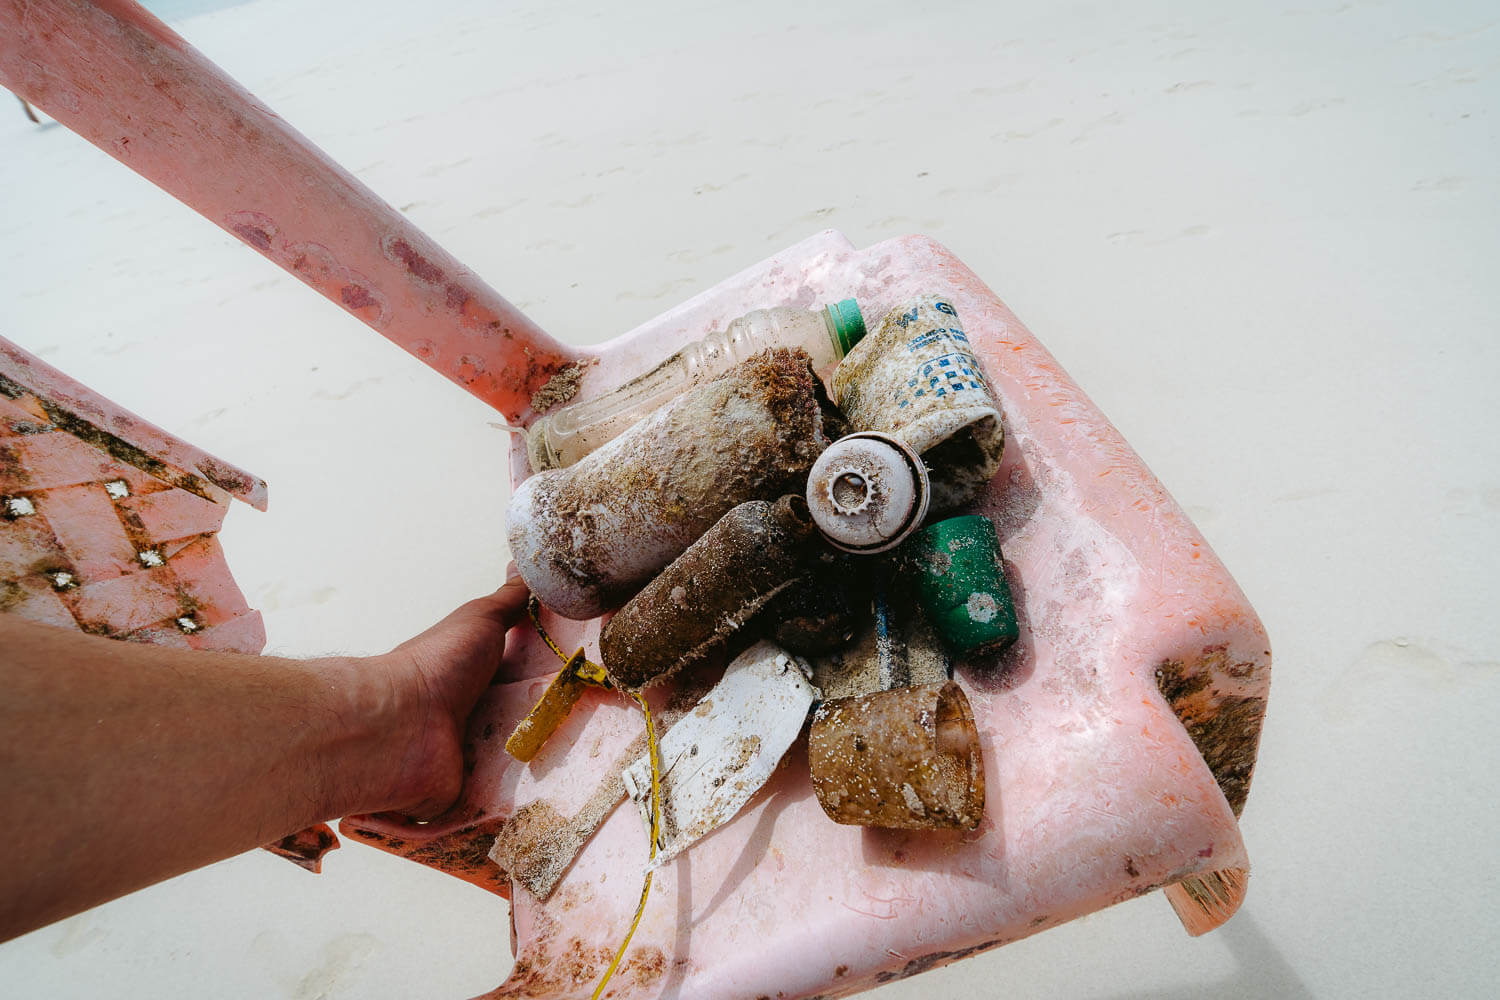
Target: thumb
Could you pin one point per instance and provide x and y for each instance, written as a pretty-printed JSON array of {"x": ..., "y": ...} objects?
[
  {"x": 504, "y": 608},
  {"x": 508, "y": 604}
]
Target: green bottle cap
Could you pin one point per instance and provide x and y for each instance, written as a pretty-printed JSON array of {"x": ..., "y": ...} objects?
[
  {"x": 847, "y": 324},
  {"x": 961, "y": 585}
]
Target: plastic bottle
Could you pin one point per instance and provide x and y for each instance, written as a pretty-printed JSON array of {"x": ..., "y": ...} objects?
[
  {"x": 589, "y": 536},
  {"x": 709, "y": 592},
  {"x": 561, "y": 438}
]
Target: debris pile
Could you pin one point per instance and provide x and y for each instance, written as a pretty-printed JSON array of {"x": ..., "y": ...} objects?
[{"x": 755, "y": 520}]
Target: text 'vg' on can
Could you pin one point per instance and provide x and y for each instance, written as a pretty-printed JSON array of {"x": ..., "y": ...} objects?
[{"x": 916, "y": 377}]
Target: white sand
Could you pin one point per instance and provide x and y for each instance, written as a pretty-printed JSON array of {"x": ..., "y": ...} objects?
[{"x": 1263, "y": 237}]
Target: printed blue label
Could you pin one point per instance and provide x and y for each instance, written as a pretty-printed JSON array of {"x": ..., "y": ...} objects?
[{"x": 954, "y": 372}]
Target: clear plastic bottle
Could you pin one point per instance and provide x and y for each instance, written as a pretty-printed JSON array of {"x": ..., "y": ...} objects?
[{"x": 564, "y": 436}]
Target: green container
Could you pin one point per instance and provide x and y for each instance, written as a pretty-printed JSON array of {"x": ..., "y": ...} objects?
[{"x": 955, "y": 565}]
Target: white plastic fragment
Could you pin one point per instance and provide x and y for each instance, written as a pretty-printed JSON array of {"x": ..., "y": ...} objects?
[{"x": 722, "y": 752}]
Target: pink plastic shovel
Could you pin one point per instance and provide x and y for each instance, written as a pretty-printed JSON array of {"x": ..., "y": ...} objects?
[{"x": 1119, "y": 733}]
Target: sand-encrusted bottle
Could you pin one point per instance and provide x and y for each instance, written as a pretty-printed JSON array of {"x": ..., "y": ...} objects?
[
  {"x": 564, "y": 436},
  {"x": 587, "y": 537}
]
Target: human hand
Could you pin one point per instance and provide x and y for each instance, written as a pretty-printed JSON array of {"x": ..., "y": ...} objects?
[{"x": 436, "y": 679}]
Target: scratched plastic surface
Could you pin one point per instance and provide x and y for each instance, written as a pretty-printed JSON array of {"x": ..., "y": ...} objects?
[
  {"x": 122, "y": 79},
  {"x": 109, "y": 524},
  {"x": 1134, "y": 641}
]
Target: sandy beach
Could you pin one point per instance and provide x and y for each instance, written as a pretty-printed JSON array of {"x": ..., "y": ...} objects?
[{"x": 1262, "y": 240}]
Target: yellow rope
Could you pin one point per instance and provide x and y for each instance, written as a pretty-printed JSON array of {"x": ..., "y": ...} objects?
[
  {"x": 534, "y": 609},
  {"x": 640, "y": 908},
  {"x": 593, "y": 673},
  {"x": 589, "y": 672}
]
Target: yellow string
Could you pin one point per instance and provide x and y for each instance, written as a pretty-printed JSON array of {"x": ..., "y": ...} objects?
[
  {"x": 589, "y": 672},
  {"x": 534, "y": 609},
  {"x": 593, "y": 673},
  {"x": 640, "y": 908}
]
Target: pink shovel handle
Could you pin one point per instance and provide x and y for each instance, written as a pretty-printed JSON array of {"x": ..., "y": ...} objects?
[{"x": 118, "y": 76}]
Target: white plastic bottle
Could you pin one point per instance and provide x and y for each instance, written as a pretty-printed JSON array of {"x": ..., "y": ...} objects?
[{"x": 562, "y": 437}]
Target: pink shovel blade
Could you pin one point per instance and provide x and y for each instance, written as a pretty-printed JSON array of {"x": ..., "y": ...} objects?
[{"x": 1119, "y": 733}]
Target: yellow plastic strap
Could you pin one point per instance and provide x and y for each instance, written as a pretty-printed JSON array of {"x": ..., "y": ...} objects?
[
  {"x": 532, "y": 732},
  {"x": 547, "y": 714}
]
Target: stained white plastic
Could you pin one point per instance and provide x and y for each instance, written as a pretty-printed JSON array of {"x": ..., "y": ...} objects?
[
  {"x": 867, "y": 492},
  {"x": 720, "y": 754}
]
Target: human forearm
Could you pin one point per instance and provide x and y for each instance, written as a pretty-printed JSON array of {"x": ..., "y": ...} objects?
[{"x": 124, "y": 764}]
